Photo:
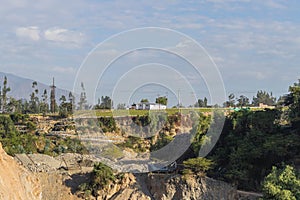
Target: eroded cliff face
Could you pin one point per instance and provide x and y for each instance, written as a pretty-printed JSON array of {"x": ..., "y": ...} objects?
[
  {"x": 128, "y": 188},
  {"x": 168, "y": 187},
  {"x": 15, "y": 181},
  {"x": 18, "y": 182},
  {"x": 191, "y": 187}
]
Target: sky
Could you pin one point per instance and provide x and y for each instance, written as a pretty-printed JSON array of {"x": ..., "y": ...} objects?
[{"x": 254, "y": 44}]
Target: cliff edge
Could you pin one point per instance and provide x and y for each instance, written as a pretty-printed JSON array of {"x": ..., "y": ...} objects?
[{"x": 15, "y": 181}]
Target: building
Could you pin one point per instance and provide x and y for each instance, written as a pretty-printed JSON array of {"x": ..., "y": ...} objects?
[
  {"x": 261, "y": 105},
  {"x": 148, "y": 106}
]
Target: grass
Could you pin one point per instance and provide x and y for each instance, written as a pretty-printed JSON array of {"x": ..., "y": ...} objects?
[
  {"x": 169, "y": 111},
  {"x": 111, "y": 113},
  {"x": 131, "y": 112},
  {"x": 112, "y": 151}
]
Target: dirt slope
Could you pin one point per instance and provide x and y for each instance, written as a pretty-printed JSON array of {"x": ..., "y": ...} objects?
[{"x": 15, "y": 181}]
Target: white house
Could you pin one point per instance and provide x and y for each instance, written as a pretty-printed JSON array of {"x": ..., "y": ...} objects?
[{"x": 150, "y": 106}]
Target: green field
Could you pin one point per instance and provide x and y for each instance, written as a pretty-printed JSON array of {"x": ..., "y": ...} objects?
[{"x": 131, "y": 112}]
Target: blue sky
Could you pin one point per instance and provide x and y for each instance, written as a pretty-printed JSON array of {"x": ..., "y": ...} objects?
[{"x": 255, "y": 44}]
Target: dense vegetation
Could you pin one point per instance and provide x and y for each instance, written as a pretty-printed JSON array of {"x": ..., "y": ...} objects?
[
  {"x": 254, "y": 141},
  {"x": 282, "y": 184},
  {"x": 31, "y": 141},
  {"x": 14, "y": 142},
  {"x": 251, "y": 143}
]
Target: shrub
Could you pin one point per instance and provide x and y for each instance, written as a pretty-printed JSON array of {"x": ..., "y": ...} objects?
[
  {"x": 197, "y": 165},
  {"x": 282, "y": 184},
  {"x": 101, "y": 176}
]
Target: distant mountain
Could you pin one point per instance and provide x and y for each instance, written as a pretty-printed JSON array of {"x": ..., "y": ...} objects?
[{"x": 22, "y": 87}]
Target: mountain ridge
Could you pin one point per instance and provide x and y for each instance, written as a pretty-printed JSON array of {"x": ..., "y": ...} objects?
[{"x": 21, "y": 87}]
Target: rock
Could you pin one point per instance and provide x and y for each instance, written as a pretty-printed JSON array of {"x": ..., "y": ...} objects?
[
  {"x": 15, "y": 181},
  {"x": 127, "y": 188},
  {"x": 165, "y": 187},
  {"x": 50, "y": 182}
]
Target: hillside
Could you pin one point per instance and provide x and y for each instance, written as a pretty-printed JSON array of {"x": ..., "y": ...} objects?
[{"x": 22, "y": 87}]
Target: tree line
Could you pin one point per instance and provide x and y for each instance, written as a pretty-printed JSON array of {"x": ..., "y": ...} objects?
[
  {"x": 38, "y": 102},
  {"x": 263, "y": 97}
]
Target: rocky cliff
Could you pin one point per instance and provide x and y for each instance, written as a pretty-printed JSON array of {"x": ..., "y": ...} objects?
[
  {"x": 191, "y": 187},
  {"x": 18, "y": 182},
  {"x": 166, "y": 187},
  {"x": 15, "y": 181}
]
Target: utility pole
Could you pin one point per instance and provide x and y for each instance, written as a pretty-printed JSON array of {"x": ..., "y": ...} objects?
[{"x": 52, "y": 97}]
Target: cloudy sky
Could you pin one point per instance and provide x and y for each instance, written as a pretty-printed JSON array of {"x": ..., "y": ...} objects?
[{"x": 255, "y": 44}]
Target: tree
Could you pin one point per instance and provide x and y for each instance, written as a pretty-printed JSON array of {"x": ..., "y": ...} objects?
[
  {"x": 72, "y": 100},
  {"x": 82, "y": 100},
  {"x": 201, "y": 103},
  {"x": 250, "y": 144},
  {"x": 34, "y": 99},
  {"x": 144, "y": 101},
  {"x": 162, "y": 100},
  {"x": 44, "y": 107},
  {"x": 198, "y": 164},
  {"x": 14, "y": 105},
  {"x": 121, "y": 106},
  {"x": 282, "y": 184},
  {"x": 65, "y": 108},
  {"x": 281, "y": 101},
  {"x": 62, "y": 99},
  {"x": 199, "y": 130},
  {"x": 293, "y": 101},
  {"x": 106, "y": 103},
  {"x": 264, "y": 97},
  {"x": 243, "y": 101},
  {"x": 205, "y": 101},
  {"x": 5, "y": 90},
  {"x": 231, "y": 101}
]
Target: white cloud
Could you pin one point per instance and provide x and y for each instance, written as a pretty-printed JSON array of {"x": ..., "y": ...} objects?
[
  {"x": 68, "y": 70},
  {"x": 274, "y": 4},
  {"x": 30, "y": 32},
  {"x": 63, "y": 35}
]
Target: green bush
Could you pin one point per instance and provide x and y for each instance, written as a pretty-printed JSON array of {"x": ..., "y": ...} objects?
[
  {"x": 282, "y": 184},
  {"x": 162, "y": 141},
  {"x": 101, "y": 176},
  {"x": 135, "y": 143},
  {"x": 197, "y": 165},
  {"x": 107, "y": 124}
]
